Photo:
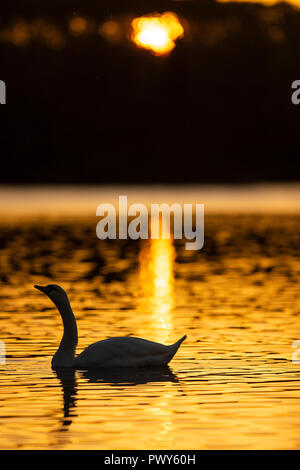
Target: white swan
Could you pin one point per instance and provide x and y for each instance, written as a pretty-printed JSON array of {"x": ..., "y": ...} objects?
[{"x": 112, "y": 352}]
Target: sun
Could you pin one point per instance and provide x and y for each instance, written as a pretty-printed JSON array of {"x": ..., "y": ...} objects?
[{"x": 157, "y": 32}]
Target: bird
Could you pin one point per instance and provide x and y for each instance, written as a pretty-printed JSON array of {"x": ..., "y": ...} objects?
[{"x": 121, "y": 351}]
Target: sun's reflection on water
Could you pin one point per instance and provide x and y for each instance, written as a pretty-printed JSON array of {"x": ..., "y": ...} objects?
[
  {"x": 156, "y": 274},
  {"x": 156, "y": 264}
]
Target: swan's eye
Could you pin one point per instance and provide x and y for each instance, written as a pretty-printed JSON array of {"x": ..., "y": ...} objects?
[{"x": 52, "y": 288}]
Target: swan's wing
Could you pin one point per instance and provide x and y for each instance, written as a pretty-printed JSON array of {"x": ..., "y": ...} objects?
[{"x": 122, "y": 350}]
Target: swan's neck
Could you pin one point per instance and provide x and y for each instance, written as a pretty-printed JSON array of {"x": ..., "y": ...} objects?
[{"x": 65, "y": 354}]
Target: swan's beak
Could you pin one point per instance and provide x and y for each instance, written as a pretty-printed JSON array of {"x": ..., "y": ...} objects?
[{"x": 41, "y": 288}]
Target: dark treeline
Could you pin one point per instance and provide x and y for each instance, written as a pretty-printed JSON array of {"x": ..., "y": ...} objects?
[{"x": 217, "y": 109}]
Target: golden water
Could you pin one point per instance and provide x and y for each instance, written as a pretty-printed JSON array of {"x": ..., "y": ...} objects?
[{"x": 232, "y": 384}]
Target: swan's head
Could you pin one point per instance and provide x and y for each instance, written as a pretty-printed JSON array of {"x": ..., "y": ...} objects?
[{"x": 55, "y": 293}]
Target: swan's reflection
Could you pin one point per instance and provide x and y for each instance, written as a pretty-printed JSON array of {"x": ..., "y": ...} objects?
[
  {"x": 115, "y": 376},
  {"x": 67, "y": 378},
  {"x": 129, "y": 376}
]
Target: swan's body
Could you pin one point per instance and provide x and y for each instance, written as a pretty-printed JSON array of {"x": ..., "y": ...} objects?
[{"x": 112, "y": 352}]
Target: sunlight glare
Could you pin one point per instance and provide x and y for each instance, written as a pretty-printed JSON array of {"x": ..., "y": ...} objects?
[
  {"x": 157, "y": 32},
  {"x": 156, "y": 280}
]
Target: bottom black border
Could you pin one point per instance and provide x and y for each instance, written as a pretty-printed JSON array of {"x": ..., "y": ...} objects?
[{"x": 152, "y": 458}]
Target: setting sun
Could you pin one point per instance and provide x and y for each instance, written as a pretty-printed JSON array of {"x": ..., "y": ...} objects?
[{"x": 157, "y": 32}]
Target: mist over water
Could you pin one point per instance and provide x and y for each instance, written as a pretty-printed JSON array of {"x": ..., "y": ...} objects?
[{"x": 232, "y": 383}]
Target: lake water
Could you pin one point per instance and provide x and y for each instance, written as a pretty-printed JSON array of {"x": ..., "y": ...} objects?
[{"x": 232, "y": 384}]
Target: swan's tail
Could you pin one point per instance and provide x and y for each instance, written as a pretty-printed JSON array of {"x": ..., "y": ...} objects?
[
  {"x": 173, "y": 348},
  {"x": 178, "y": 343}
]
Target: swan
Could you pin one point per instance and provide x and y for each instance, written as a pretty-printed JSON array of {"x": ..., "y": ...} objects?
[{"x": 112, "y": 352}]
